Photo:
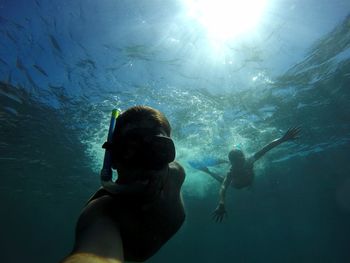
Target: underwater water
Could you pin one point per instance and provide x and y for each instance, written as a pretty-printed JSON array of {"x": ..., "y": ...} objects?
[{"x": 64, "y": 65}]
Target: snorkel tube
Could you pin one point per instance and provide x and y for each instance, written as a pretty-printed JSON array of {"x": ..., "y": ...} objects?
[{"x": 106, "y": 171}]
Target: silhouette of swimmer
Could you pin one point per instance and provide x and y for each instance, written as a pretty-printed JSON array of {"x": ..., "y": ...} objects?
[
  {"x": 241, "y": 173},
  {"x": 133, "y": 217}
]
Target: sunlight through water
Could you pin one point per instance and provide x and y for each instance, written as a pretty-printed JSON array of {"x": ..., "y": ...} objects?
[{"x": 224, "y": 20}]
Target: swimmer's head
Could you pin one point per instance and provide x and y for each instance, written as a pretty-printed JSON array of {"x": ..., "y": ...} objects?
[
  {"x": 142, "y": 117},
  {"x": 236, "y": 156},
  {"x": 142, "y": 140}
]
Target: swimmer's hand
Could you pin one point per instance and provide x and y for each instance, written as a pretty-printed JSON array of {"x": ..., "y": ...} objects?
[
  {"x": 219, "y": 213},
  {"x": 291, "y": 134}
]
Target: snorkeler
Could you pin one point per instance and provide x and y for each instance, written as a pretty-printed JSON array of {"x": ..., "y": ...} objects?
[
  {"x": 241, "y": 174},
  {"x": 132, "y": 218}
]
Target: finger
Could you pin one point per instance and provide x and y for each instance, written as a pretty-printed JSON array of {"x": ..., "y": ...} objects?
[
  {"x": 217, "y": 219},
  {"x": 296, "y": 133},
  {"x": 297, "y": 129},
  {"x": 294, "y": 129},
  {"x": 292, "y": 132}
]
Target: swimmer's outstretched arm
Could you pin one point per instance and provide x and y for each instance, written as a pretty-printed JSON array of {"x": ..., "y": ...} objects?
[
  {"x": 220, "y": 210},
  {"x": 97, "y": 239},
  {"x": 291, "y": 134}
]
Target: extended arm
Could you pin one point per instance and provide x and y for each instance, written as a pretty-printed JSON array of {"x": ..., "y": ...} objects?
[
  {"x": 291, "y": 134},
  {"x": 220, "y": 210},
  {"x": 98, "y": 238}
]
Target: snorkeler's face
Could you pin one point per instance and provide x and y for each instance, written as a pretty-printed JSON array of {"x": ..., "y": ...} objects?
[{"x": 148, "y": 148}]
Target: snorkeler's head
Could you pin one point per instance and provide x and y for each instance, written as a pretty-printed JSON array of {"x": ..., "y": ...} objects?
[
  {"x": 236, "y": 156},
  {"x": 142, "y": 139},
  {"x": 141, "y": 117}
]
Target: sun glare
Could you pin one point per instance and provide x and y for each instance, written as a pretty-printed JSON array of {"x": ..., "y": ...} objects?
[{"x": 226, "y": 19}]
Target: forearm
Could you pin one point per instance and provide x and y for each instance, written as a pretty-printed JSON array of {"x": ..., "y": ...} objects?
[
  {"x": 272, "y": 145},
  {"x": 88, "y": 258},
  {"x": 223, "y": 189},
  {"x": 222, "y": 195},
  {"x": 267, "y": 148}
]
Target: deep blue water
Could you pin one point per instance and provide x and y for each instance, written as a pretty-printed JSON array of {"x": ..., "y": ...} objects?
[{"x": 65, "y": 64}]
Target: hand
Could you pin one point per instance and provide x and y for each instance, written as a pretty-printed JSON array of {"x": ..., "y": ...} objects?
[
  {"x": 219, "y": 213},
  {"x": 291, "y": 134}
]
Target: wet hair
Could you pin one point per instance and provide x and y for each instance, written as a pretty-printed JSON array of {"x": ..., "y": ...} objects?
[
  {"x": 140, "y": 115},
  {"x": 235, "y": 155}
]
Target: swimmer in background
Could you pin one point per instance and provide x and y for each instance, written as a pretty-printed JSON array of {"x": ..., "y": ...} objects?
[{"x": 241, "y": 174}]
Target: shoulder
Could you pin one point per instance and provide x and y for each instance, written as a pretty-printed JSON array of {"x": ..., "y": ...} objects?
[
  {"x": 250, "y": 161},
  {"x": 176, "y": 166}
]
